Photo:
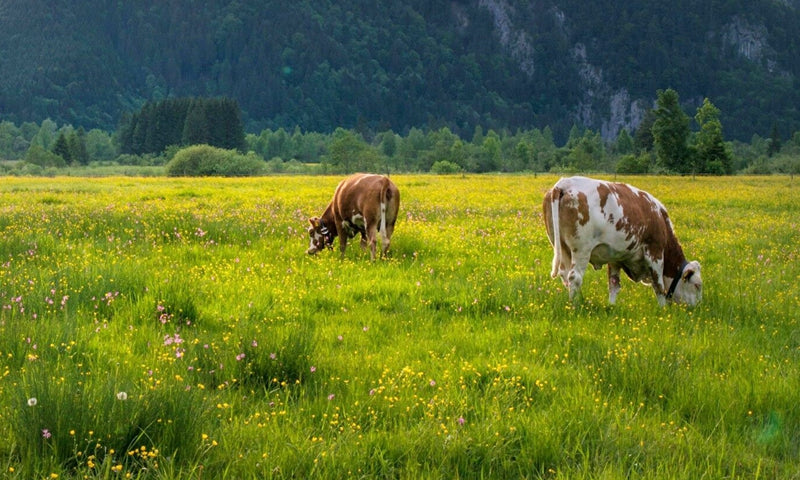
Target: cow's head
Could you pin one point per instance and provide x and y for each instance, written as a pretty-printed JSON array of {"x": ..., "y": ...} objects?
[
  {"x": 690, "y": 287},
  {"x": 320, "y": 234}
]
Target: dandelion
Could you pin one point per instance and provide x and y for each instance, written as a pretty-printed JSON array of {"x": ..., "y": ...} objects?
[
  {"x": 32, "y": 402},
  {"x": 122, "y": 396}
]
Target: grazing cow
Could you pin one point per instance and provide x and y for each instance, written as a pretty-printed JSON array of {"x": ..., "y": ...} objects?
[
  {"x": 362, "y": 203},
  {"x": 598, "y": 222}
]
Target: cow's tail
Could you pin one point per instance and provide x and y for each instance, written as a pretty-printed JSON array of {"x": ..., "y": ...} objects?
[
  {"x": 555, "y": 201},
  {"x": 387, "y": 207}
]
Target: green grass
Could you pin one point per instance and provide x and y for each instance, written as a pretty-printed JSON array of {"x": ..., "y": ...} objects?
[{"x": 175, "y": 328}]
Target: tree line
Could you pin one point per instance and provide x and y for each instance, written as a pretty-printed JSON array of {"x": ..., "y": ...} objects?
[{"x": 667, "y": 141}]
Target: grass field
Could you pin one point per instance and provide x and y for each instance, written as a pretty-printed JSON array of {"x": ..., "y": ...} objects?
[{"x": 175, "y": 328}]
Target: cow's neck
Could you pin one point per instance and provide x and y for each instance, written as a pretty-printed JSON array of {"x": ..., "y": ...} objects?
[{"x": 674, "y": 263}]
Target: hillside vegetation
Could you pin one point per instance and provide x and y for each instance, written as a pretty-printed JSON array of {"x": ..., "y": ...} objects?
[{"x": 321, "y": 65}]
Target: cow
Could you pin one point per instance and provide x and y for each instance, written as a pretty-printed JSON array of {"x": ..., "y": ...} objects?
[
  {"x": 599, "y": 222},
  {"x": 362, "y": 203}
]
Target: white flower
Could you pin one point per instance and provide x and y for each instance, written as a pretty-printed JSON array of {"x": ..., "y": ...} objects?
[
  {"x": 32, "y": 402},
  {"x": 122, "y": 396}
]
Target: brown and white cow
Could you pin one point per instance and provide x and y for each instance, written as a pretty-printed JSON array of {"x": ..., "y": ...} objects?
[
  {"x": 363, "y": 203},
  {"x": 599, "y": 222}
]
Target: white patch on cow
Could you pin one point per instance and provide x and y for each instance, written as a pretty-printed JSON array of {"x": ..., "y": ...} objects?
[{"x": 357, "y": 219}]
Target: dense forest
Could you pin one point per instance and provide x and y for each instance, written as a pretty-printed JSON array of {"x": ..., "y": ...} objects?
[{"x": 396, "y": 66}]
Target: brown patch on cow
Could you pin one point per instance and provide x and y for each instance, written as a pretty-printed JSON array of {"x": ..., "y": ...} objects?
[
  {"x": 569, "y": 218},
  {"x": 583, "y": 208},
  {"x": 603, "y": 191},
  {"x": 673, "y": 253}
]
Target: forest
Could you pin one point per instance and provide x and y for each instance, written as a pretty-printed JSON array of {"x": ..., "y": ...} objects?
[
  {"x": 397, "y": 66},
  {"x": 668, "y": 141}
]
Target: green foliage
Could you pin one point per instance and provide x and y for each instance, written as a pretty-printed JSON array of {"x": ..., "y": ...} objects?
[
  {"x": 634, "y": 164},
  {"x": 184, "y": 121},
  {"x": 205, "y": 160},
  {"x": 347, "y": 151},
  {"x": 445, "y": 167},
  {"x": 37, "y": 155},
  {"x": 670, "y": 133},
  {"x": 711, "y": 154},
  {"x": 321, "y": 66}
]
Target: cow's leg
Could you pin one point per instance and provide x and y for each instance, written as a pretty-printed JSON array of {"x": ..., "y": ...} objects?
[
  {"x": 577, "y": 269},
  {"x": 342, "y": 242},
  {"x": 562, "y": 269},
  {"x": 372, "y": 231},
  {"x": 386, "y": 240},
  {"x": 657, "y": 280},
  {"x": 658, "y": 287},
  {"x": 613, "y": 283}
]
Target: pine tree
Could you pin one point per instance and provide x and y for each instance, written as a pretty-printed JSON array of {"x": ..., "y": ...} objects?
[
  {"x": 711, "y": 154},
  {"x": 77, "y": 147},
  {"x": 671, "y": 132},
  {"x": 195, "y": 127},
  {"x": 62, "y": 148}
]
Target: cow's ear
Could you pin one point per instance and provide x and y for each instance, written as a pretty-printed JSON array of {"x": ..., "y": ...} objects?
[
  {"x": 690, "y": 270},
  {"x": 314, "y": 221}
]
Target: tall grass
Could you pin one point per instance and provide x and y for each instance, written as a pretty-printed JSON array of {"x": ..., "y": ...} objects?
[{"x": 175, "y": 328}]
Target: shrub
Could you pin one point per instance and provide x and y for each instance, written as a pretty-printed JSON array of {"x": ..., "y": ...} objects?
[
  {"x": 37, "y": 155},
  {"x": 205, "y": 160},
  {"x": 444, "y": 167},
  {"x": 634, "y": 164}
]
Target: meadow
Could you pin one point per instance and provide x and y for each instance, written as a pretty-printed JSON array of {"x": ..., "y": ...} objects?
[{"x": 158, "y": 328}]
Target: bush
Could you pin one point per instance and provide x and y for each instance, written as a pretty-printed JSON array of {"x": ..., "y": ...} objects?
[
  {"x": 634, "y": 164},
  {"x": 205, "y": 160},
  {"x": 37, "y": 155},
  {"x": 444, "y": 167}
]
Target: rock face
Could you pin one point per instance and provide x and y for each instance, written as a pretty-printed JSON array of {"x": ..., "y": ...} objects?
[
  {"x": 750, "y": 41},
  {"x": 604, "y": 106},
  {"x": 514, "y": 39}
]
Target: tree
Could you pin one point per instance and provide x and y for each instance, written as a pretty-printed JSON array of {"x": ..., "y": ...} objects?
[
  {"x": 643, "y": 137},
  {"x": 671, "y": 132},
  {"x": 712, "y": 156},
  {"x": 77, "y": 147},
  {"x": 196, "y": 129},
  {"x": 345, "y": 150},
  {"x": 182, "y": 121},
  {"x": 624, "y": 143},
  {"x": 44, "y": 158},
  {"x": 774, "y": 141},
  {"x": 62, "y": 148}
]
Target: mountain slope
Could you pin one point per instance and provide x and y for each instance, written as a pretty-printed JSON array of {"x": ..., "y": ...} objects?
[{"x": 323, "y": 64}]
